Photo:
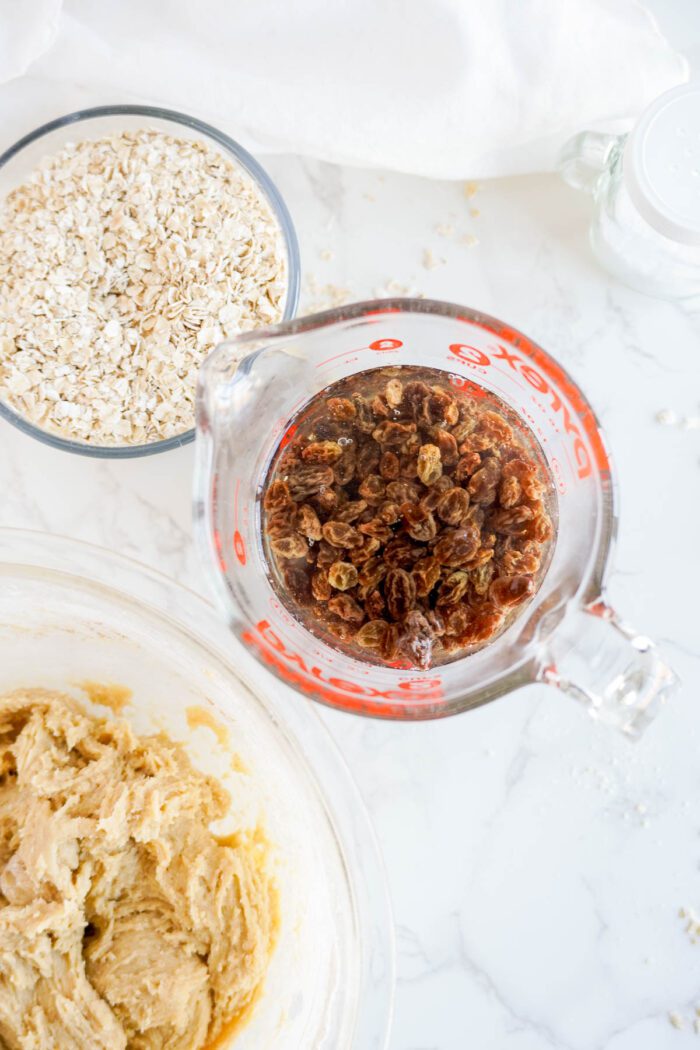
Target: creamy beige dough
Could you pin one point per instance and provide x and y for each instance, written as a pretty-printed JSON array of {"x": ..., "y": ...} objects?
[{"x": 123, "y": 921}]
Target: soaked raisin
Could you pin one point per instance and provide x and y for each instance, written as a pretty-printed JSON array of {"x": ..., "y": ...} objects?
[
  {"x": 322, "y": 452},
  {"x": 429, "y": 464},
  {"x": 408, "y": 515},
  {"x": 389, "y": 466},
  {"x": 342, "y": 575},
  {"x": 399, "y": 592},
  {"x": 345, "y": 606}
]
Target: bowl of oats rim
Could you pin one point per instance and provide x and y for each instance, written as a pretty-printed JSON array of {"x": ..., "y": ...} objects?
[{"x": 133, "y": 239}]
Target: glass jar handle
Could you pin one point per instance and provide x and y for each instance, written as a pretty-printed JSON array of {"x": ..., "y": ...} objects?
[
  {"x": 585, "y": 157},
  {"x": 608, "y": 666}
]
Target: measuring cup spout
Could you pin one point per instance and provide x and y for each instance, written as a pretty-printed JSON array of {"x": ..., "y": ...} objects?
[{"x": 608, "y": 666}]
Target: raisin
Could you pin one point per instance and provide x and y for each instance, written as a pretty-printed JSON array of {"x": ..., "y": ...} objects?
[
  {"x": 399, "y": 592},
  {"x": 453, "y": 589},
  {"x": 511, "y": 590},
  {"x": 509, "y": 492},
  {"x": 367, "y": 549},
  {"x": 439, "y": 407},
  {"x": 364, "y": 417},
  {"x": 426, "y": 574},
  {"x": 453, "y": 505},
  {"x": 340, "y": 408},
  {"x": 325, "y": 501},
  {"x": 322, "y": 452},
  {"x": 376, "y": 528},
  {"x": 345, "y": 606},
  {"x": 351, "y": 511},
  {"x": 467, "y": 465},
  {"x": 457, "y": 546},
  {"x": 277, "y": 496},
  {"x": 326, "y": 555},
  {"x": 372, "y": 572},
  {"x": 289, "y": 546},
  {"x": 371, "y": 635},
  {"x": 296, "y": 578},
  {"x": 309, "y": 479},
  {"x": 393, "y": 435},
  {"x": 379, "y": 407},
  {"x": 342, "y": 575},
  {"x": 495, "y": 426},
  {"x": 344, "y": 469},
  {"x": 393, "y": 392},
  {"x": 414, "y": 394},
  {"x": 389, "y": 649},
  {"x": 373, "y": 490},
  {"x": 429, "y": 464},
  {"x": 526, "y": 474},
  {"x": 340, "y": 534},
  {"x": 367, "y": 460},
  {"x": 307, "y": 523},
  {"x": 375, "y": 604},
  {"x": 388, "y": 512},
  {"x": 481, "y": 577},
  {"x": 402, "y": 492},
  {"x": 449, "y": 453},
  {"x": 512, "y": 522},
  {"x": 482, "y": 486},
  {"x": 320, "y": 586},
  {"x": 416, "y": 639},
  {"x": 389, "y": 466},
  {"x": 418, "y": 522}
]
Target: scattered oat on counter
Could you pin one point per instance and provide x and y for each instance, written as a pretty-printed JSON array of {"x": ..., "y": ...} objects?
[
  {"x": 445, "y": 229},
  {"x": 430, "y": 260},
  {"x": 676, "y": 1020},
  {"x": 123, "y": 262},
  {"x": 667, "y": 417},
  {"x": 392, "y": 288},
  {"x": 323, "y": 296},
  {"x": 469, "y": 239},
  {"x": 470, "y": 189},
  {"x": 326, "y": 254},
  {"x": 474, "y": 212}
]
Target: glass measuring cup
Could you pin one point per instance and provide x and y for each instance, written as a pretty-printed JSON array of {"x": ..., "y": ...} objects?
[{"x": 568, "y": 636}]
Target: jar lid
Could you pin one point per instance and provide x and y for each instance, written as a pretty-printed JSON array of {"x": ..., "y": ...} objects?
[{"x": 662, "y": 164}]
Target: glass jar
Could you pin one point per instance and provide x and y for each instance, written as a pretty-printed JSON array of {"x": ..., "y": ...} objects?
[{"x": 646, "y": 188}]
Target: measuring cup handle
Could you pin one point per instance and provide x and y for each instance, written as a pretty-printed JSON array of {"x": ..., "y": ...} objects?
[
  {"x": 608, "y": 666},
  {"x": 585, "y": 157}
]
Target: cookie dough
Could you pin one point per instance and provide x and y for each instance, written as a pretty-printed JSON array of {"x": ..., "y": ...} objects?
[{"x": 124, "y": 922}]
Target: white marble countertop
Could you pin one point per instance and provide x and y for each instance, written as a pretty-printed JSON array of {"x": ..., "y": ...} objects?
[{"x": 537, "y": 862}]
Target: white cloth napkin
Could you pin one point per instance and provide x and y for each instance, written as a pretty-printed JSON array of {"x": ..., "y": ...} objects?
[{"x": 444, "y": 88}]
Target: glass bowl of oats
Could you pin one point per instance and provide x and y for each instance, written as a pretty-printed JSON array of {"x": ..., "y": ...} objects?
[{"x": 132, "y": 241}]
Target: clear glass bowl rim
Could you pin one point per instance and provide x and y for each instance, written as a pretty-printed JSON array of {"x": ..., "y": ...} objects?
[{"x": 269, "y": 190}]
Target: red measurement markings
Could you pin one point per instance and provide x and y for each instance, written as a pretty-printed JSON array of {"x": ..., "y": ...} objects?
[
  {"x": 238, "y": 544},
  {"x": 340, "y": 692},
  {"x": 380, "y": 345},
  {"x": 517, "y": 366}
]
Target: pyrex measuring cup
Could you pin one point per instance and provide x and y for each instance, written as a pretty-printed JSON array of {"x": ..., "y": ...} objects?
[{"x": 568, "y": 636}]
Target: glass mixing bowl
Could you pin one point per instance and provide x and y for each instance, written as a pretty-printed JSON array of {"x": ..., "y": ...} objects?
[
  {"x": 17, "y": 163},
  {"x": 70, "y": 613}
]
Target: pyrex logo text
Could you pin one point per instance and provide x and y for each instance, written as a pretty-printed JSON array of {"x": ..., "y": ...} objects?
[{"x": 474, "y": 356}]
